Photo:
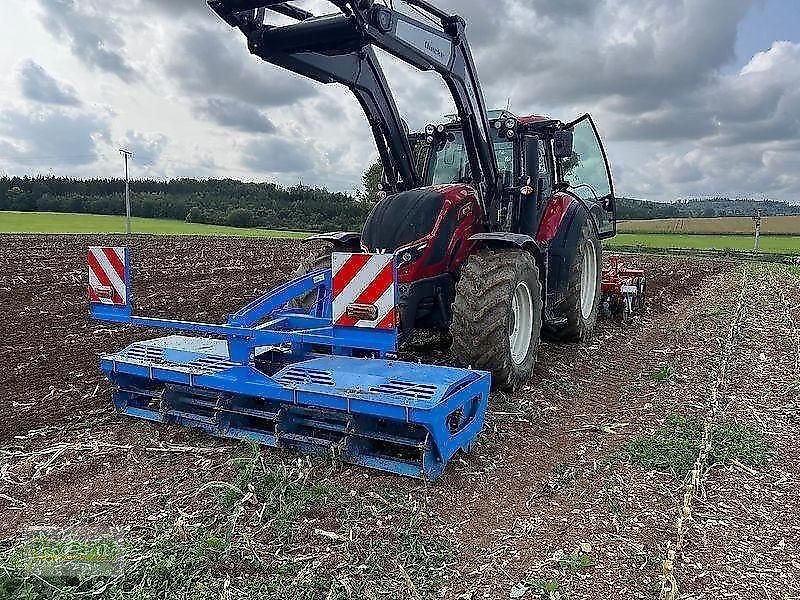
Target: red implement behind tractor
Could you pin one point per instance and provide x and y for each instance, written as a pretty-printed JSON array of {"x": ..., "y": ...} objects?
[{"x": 623, "y": 289}]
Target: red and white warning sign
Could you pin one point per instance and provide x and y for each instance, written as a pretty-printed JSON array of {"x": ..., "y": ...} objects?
[
  {"x": 363, "y": 291},
  {"x": 107, "y": 277}
]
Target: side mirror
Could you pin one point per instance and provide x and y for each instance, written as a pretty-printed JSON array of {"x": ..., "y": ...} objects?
[{"x": 562, "y": 143}]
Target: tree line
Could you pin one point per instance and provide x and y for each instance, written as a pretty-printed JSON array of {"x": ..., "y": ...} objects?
[
  {"x": 687, "y": 208},
  {"x": 241, "y": 204},
  {"x": 213, "y": 201}
]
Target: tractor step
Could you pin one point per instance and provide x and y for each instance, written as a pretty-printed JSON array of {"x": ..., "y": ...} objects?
[{"x": 402, "y": 417}]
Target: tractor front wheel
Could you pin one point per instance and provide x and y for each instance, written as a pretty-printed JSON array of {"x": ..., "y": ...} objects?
[{"x": 497, "y": 316}]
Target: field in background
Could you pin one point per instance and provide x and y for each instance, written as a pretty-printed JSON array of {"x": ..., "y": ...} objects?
[
  {"x": 718, "y": 225},
  {"x": 47, "y": 222},
  {"x": 21, "y": 222},
  {"x": 776, "y": 244}
]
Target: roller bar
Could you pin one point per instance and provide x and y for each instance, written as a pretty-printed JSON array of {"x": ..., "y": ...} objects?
[{"x": 400, "y": 417}]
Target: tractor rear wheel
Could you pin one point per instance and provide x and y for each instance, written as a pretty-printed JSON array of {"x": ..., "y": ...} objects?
[
  {"x": 497, "y": 316},
  {"x": 581, "y": 306},
  {"x": 319, "y": 257}
]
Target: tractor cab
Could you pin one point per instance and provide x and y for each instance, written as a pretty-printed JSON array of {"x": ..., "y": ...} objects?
[
  {"x": 536, "y": 157},
  {"x": 448, "y": 161}
]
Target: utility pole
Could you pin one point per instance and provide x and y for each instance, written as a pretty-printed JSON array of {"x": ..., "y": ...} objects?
[
  {"x": 757, "y": 227},
  {"x": 126, "y": 154}
]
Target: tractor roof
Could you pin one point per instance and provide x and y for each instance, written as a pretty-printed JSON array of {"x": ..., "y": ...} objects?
[
  {"x": 531, "y": 119},
  {"x": 528, "y": 120}
]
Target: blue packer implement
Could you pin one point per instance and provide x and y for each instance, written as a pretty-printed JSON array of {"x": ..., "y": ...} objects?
[{"x": 319, "y": 380}]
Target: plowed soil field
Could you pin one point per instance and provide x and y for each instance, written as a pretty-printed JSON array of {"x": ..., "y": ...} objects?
[{"x": 573, "y": 491}]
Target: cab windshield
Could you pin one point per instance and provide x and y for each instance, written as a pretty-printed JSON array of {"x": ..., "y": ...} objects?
[{"x": 449, "y": 162}]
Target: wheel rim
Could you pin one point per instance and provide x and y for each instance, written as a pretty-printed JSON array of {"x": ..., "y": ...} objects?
[
  {"x": 588, "y": 279},
  {"x": 521, "y": 326}
]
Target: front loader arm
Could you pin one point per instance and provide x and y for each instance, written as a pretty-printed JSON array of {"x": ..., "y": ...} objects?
[
  {"x": 338, "y": 48},
  {"x": 447, "y": 52}
]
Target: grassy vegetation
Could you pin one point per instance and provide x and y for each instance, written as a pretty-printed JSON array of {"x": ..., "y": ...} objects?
[
  {"x": 788, "y": 225},
  {"x": 537, "y": 589},
  {"x": 273, "y": 530},
  {"x": 46, "y": 222},
  {"x": 23, "y": 222},
  {"x": 777, "y": 244},
  {"x": 663, "y": 373},
  {"x": 576, "y": 561},
  {"x": 674, "y": 447}
]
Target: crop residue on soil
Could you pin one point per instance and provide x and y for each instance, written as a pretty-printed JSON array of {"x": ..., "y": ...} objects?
[{"x": 547, "y": 504}]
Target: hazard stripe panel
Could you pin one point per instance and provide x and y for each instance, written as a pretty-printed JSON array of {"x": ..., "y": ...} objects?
[
  {"x": 366, "y": 280},
  {"x": 107, "y": 276}
]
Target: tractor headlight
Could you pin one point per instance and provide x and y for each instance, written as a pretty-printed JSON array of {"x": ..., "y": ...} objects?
[
  {"x": 440, "y": 128},
  {"x": 511, "y": 123},
  {"x": 430, "y": 129}
]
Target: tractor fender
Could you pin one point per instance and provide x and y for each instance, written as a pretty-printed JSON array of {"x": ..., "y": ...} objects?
[
  {"x": 557, "y": 208},
  {"x": 346, "y": 240},
  {"x": 505, "y": 239},
  {"x": 565, "y": 239},
  {"x": 560, "y": 209}
]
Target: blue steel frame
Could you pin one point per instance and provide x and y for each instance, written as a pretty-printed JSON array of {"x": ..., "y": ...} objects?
[
  {"x": 267, "y": 321},
  {"x": 358, "y": 405}
]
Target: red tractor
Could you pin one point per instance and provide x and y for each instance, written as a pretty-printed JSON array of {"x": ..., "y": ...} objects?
[{"x": 495, "y": 220}]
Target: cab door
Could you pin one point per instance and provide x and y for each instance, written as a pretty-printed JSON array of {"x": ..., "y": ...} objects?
[{"x": 588, "y": 176}]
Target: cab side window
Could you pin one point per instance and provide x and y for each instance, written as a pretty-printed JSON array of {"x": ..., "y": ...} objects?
[{"x": 585, "y": 170}]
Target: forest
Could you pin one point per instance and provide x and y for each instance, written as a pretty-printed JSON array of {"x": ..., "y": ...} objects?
[{"x": 214, "y": 201}]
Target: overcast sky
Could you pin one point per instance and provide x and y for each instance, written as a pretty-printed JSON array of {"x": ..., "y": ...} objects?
[{"x": 693, "y": 97}]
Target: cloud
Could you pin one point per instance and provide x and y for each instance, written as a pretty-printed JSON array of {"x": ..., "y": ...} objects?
[
  {"x": 743, "y": 171},
  {"x": 762, "y": 102},
  {"x": 38, "y": 85},
  {"x": 758, "y": 104},
  {"x": 93, "y": 37},
  {"x": 738, "y": 135},
  {"x": 51, "y": 138},
  {"x": 278, "y": 155},
  {"x": 565, "y": 11},
  {"x": 234, "y": 115},
  {"x": 147, "y": 148},
  {"x": 680, "y": 113},
  {"x": 643, "y": 51},
  {"x": 205, "y": 63}
]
